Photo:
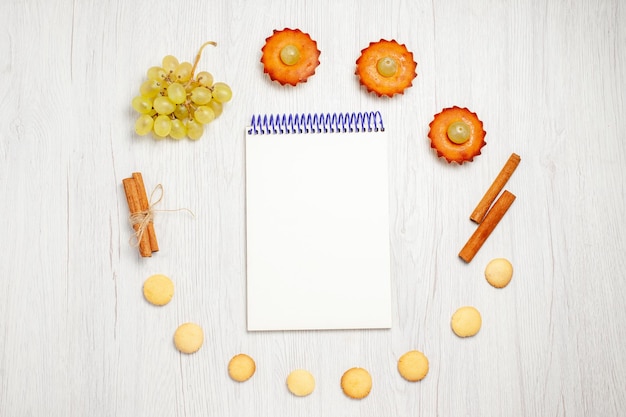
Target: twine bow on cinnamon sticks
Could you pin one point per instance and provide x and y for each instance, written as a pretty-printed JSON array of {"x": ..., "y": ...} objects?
[
  {"x": 488, "y": 216},
  {"x": 141, "y": 213}
]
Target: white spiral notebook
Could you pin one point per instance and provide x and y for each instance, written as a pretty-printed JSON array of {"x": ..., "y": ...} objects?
[{"x": 317, "y": 222}]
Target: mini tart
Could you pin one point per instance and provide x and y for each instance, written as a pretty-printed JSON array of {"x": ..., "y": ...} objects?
[
  {"x": 445, "y": 147},
  {"x": 304, "y": 66},
  {"x": 392, "y": 82}
]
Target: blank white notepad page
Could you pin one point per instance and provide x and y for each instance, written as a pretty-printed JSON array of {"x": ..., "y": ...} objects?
[{"x": 317, "y": 231}]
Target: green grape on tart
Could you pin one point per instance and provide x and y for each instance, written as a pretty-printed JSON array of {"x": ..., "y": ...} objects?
[{"x": 176, "y": 102}]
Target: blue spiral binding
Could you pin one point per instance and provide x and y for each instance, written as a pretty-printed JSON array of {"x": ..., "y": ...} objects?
[{"x": 316, "y": 123}]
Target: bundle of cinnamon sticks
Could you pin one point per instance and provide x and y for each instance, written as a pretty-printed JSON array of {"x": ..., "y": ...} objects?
[
  {"x": 141, "y": 214},
  {"x": 488, "y": 216}
]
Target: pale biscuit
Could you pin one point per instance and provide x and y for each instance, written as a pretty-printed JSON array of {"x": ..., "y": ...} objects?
[
  {"x": 356, "y": 383},
  {"x": 188, "y": 338},
  {"x": 499, "y": 272},
  {"x": 466, "y": 321},
  {"x": 300, "y": 382},
  {"x": 241, "y": 367},
  {"x": 158, "y": 289},
  {"x": 413, "y": 366}
]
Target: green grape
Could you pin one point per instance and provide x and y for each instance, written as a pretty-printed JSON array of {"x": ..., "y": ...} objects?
[
  {"x": 290, "y": 55},
  {"x": 194, "y": 130},
  {"x": 169, "y": 63},
  {"x": 157, "y": 74},
  {"x": 162, "y": 126},
  {"x": 176, "y": 92},
  {"x": 150, "y": 88},
  {"x": 222, "y": 92},
  {"x": 181, "y": 112},
  {"x": 204, "y": 115},
  {"x": 142, "y": 104},
  {"x": 143, "y": 125},
  {"x": 459, "y": 132},
  {"x": 163, "y": 105},
  {"x": 387, "y": 66},
  {"x": 216, "y": 106},
  {"x": 179, "y": 130},
  {"x": 201, "y": 95},
  {"x": 204, "y": 79},
  {"x": 182, "y": 73}
]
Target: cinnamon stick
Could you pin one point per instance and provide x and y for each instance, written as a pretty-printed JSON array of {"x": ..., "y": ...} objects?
[
  {"x": 487, "y": 226},
  {"x": 145, "y": 206},
  {"x": 498, "y": 184},
  {"x": 134, "y": 205}
]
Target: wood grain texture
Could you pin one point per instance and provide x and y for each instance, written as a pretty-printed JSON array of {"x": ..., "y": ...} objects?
[{"x": 547, "y": 78}]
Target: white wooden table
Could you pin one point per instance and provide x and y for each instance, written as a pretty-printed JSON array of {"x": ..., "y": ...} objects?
[{"x": 548, "y": 79}]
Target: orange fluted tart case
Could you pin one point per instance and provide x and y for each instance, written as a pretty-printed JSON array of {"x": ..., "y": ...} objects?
[
  {"x": 386, "y": 68},
  {"x": 457, "y": 134},
  {"x": 290, "y": 56}
]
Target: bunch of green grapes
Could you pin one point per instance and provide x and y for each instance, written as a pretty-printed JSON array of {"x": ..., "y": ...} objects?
[{"x": 176, "y": 102}]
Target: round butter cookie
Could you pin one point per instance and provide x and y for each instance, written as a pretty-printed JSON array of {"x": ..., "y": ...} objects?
[
  {"x": 413, "y": 366},
  {"x": 241, "y": 367},
  {"x": 499, "y": 272},
  {"x": 466, "y": 321},
  {"x": 158, "y": 290},
  {"x": 356, "y": 383},
  {"x": 300, "y": 382},
  {"x": 188, "y": 338}
]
